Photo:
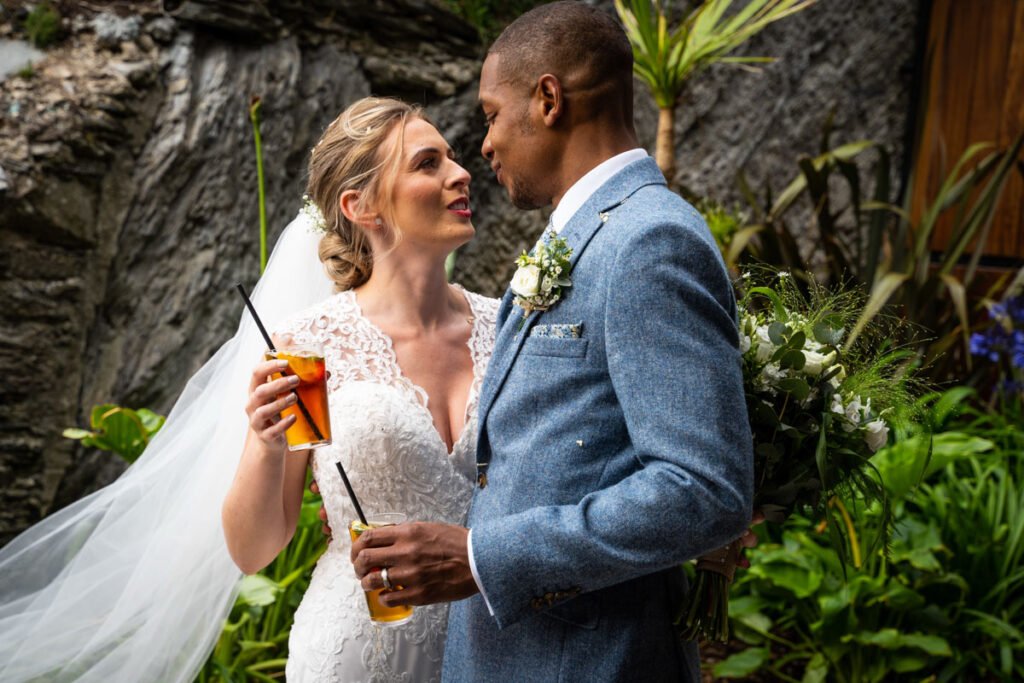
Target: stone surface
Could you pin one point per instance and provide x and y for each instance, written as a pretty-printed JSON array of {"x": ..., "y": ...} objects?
[
  {"x": 16, "y": 55},
  {"x": 129, "y": 207}
]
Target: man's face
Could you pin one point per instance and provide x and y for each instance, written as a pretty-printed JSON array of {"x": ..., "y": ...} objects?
[{"x": 512, "y": 146}]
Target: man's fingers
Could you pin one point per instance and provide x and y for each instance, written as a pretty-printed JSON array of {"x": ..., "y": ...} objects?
[
  {"x": 369, "y": 559},
  {"x": 314, "y": 488},
  {"x": 326, "y": 531},
  {"x": 322, "y": 514}
]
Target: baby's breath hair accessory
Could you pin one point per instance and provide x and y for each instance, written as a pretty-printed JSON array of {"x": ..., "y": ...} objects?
[
  {"x": 539, "y": 280},
  {"x": 312, "y": 211}
]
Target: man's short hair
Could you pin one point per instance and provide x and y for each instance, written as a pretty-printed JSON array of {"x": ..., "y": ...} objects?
[{"x": 584, "y": 47}]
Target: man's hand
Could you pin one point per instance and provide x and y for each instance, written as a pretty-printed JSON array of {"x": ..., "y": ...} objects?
[
  {"x": 428, "y": 561},
  {"x": 322, "y": 512},
  {"x": 749, "y": 539}
]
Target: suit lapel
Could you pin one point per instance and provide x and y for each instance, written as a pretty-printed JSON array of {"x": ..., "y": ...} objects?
[{"x": 578, "y": 232}]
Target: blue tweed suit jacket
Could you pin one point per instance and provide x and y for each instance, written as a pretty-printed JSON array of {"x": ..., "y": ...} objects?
[{"x": 615, "y": 451}]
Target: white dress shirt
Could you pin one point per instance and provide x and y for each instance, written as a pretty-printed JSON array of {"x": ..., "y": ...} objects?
[{"x": 571, "y": 202}]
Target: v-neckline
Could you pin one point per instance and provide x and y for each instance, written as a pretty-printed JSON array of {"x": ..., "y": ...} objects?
[{"x": 421, "y": 397}]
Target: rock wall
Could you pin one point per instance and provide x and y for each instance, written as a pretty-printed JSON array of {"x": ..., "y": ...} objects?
[{"x": 127, "y": 181}]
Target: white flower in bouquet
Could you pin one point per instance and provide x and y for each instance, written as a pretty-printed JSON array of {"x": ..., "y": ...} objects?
[
  {"x": 526, "y": 281},
  {"x": 876, "y": 434},
  {"x": 817, "y": 362},
  {"x": 765, "y": 345},
  {"x": 809, "y": 393}
]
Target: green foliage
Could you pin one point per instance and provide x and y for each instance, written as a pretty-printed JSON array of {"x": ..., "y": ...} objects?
[
  {"x": 666, "y": 59},
  {"x": 490, "y": 17},
  {"x": 253, "y": 645},
  {"x": 123, "y": 431},
  {"x": 729, "y": 227},
  {"x": 255, "y": 108},
  {"x": 27, "y": 72},
  {"x": 43, "y": 25},
  {"x": 870, "y": 242},
  {"x": 947, "y": 599}
]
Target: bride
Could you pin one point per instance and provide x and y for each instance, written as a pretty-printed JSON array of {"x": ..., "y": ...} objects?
[
  {"x": 406, "y": 353},
  {"x": 133, "y": 583}
]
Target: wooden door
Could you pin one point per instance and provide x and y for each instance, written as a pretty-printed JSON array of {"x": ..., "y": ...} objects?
[{"x": 974, "y": 93}]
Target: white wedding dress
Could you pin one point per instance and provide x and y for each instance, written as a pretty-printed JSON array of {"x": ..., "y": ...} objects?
[{"x": 385, "y": 438}]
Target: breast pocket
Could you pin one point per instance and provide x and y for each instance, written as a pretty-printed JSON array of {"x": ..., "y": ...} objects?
[{"x": 554, "y": 346}]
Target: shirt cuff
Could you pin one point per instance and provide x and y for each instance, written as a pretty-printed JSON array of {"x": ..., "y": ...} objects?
[{"x": 476, "y": 575}]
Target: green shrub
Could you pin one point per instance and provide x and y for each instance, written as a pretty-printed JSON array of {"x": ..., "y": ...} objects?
[
  {"x": 946, "y": 598},
  {"x": 490, "y": 17},
  {"x": 123, "y": 431},
  {"x": 43, "y": 25}
]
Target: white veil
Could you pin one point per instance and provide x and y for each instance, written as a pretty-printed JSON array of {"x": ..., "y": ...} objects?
[{"x": 133, "y": 582}]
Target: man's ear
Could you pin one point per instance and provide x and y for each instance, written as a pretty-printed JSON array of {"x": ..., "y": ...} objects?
[
  {"x": 551, "y": 99},
  {"x": 352, "y": 208}
]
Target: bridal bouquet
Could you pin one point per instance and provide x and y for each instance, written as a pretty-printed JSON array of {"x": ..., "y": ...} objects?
[{"x": 819, "y": 407}]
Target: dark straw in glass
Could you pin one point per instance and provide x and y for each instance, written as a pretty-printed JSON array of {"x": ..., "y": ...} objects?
[{"x": 302, "y": 406}]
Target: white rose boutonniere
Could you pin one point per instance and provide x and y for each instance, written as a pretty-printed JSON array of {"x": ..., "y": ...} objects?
[
  {"x": 540, "y": 278},
  {"x": 526, "y": 281}
]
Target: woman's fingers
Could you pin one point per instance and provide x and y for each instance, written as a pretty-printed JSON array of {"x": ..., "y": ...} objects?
[
  {"x": 263, "y": 370},
  {"x": 277, "y": 430},
  {"x": 269, "y": 411},
  {"x": 273, "y": 389}
]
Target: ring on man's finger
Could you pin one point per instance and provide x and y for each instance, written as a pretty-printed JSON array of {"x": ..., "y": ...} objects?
[{"x": 384, "y": 579}]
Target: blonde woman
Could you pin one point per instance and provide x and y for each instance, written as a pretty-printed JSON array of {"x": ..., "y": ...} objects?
[
  {"x": 406, "y": 352},
  {"x": 134, "y": 582}
]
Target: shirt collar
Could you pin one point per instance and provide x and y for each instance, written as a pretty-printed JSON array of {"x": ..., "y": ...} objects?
[{"x": 585, "y": 187}]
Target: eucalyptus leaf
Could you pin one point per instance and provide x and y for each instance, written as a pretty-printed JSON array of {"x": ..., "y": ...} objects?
[
  {"x": 795, "y": 360},
  {"x": 777, "y": 332},
  {"x": 825, "y": 333},
  {"x": 795, "y": 386}
]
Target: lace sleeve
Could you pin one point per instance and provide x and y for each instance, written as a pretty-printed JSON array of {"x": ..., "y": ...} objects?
[{"x": 308, "y": 327}]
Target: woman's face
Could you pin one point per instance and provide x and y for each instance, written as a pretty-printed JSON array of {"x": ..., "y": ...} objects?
[{"x": 430, "y": 198}]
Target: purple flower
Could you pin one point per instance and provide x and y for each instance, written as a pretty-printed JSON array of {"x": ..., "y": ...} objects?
[
  {"x": 991, "y": 343},
  {"x": 1012, "y": 308},
  {"x": 1017, "y": 353}
]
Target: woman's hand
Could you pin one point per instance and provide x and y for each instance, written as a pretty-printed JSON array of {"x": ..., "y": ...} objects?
[{"x": 266, "y": 401}]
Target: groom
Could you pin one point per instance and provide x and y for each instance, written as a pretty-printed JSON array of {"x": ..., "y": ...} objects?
[{"x": 614, "y": 442}]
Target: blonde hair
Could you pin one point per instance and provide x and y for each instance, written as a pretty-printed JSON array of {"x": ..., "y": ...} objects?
[{"x": 352, "y": 155}]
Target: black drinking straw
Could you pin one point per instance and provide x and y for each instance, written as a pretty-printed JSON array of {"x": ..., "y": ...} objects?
[
  {"x": 302, "y": 407},
  {"x": 352, "y": 494},
  {"x": 270, "y": 344}
]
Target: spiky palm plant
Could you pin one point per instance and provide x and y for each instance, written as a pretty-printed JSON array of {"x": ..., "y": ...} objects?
[{"x": 665, "y": 59}]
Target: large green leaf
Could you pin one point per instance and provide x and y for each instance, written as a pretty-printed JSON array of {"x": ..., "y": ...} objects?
[
  {"x": 796, "y": 574},
  {"x": 742, "y": 663},
  {"x": 891, "y": 639},
  {"x": 817, "y": 669},
  {"x": 258, "y": 590},
  {"x": 903, "y": 465}
]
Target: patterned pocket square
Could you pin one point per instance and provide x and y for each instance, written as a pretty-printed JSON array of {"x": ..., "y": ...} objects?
[{"x": 561, "y": 331}]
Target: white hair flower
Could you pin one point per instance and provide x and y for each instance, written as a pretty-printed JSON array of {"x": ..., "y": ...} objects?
[{"x": 312, "y": 211}]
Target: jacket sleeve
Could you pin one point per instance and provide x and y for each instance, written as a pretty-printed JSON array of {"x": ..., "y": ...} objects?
[{"x": 671, "y": 341}]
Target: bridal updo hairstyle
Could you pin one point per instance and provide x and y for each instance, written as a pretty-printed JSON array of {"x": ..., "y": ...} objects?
[{"x": 353, "y": 154}]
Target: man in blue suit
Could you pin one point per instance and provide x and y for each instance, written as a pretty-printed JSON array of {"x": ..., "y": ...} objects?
[{"x": 614, "y": 442}]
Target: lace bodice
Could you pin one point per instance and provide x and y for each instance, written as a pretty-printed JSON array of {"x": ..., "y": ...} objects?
[{"x": 384, "y": 436}]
